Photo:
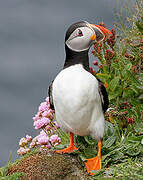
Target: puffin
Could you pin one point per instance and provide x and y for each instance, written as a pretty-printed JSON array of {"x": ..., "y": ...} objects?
[{"x": 79, "y": 98}]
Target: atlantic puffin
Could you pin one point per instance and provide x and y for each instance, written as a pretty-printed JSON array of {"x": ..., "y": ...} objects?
[{"x": 78, "y": 97}]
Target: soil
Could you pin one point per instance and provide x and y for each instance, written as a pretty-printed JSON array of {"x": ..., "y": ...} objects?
[{"x": 50, "y": 166}]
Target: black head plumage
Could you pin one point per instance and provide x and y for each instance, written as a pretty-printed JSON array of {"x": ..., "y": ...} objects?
[{"x": 74, "y": 26}]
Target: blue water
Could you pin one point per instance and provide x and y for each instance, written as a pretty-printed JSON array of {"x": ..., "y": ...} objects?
[{"x": 31, "y": 54}]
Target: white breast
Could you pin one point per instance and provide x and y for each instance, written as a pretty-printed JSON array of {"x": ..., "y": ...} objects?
[{"x": 77, "y": 102}]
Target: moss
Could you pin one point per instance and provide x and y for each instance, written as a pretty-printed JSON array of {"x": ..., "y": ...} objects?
[
  {"x": 50, "y": 166},
  {"x": 34, "y": 151}
]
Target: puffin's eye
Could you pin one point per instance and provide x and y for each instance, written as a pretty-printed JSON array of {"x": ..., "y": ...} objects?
[{"x": 80, "y": 32}]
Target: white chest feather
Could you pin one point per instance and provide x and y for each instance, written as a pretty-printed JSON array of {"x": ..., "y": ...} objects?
[{"x": 77, "y": 102}]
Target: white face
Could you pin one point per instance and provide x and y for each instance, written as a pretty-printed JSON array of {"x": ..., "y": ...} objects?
[{"x": 80, "y": 39}]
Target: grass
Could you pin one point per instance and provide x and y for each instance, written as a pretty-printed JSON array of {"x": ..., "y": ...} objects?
[
  {"x": 131, "y": 169},
  {"x": 122, "y": 155}
]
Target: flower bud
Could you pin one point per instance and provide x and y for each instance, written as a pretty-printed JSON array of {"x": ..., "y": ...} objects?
[
  {"x": 23, "y": 142},
  {"x": 29, "y": 138}
]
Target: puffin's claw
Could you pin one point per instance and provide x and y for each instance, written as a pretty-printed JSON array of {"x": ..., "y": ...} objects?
[
  {"x": 71, "y": 146},
  {"x": 93, "y": 164},
  {"x": 69, "y": 149}
]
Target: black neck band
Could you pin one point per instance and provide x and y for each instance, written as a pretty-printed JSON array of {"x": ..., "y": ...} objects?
[{"x": 73, "y": 58}]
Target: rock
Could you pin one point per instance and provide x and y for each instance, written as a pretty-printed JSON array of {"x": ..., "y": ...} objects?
[{"x": 50, "y": 166}]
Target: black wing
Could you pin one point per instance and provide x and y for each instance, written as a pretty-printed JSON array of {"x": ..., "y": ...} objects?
[
  {"x": 51, "y": 97},
  {"x": 104, "y": 96}
]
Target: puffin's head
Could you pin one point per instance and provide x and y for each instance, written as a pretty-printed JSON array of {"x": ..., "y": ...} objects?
[{"x": 81, "y": 35}]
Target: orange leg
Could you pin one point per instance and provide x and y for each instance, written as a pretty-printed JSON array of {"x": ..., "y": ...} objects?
[
  {"x": 94, "y": 163},
  {"x": 71, "y": 146}
]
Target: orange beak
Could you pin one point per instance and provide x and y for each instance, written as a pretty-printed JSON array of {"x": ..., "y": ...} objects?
[
  {"x": 101, "y": 33},
  {"x": 104, "y": 30}
]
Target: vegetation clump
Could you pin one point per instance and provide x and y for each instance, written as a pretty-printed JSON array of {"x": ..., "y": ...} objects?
[{"x": 49, "y": 165}]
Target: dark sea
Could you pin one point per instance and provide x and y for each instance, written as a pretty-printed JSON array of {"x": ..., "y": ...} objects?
[{"x": 31, "y": 55}]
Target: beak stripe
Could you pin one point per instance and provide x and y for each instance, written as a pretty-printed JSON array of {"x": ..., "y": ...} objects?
[{"x": 104, "y": 30}]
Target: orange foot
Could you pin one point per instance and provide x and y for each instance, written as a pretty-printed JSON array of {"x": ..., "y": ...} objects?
[
  {"x": 93, "y": 164},
  {"x": 69, "y": 149}
]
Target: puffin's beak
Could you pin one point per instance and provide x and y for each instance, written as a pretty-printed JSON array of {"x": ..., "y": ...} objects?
[{"x": 101, "y": 33}]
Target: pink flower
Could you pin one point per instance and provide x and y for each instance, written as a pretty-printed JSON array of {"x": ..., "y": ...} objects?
[
  {"x": 29, "y": 138},
  {"x": 22, "y": 151},
  {"x": 43, "y": 140},
  {"x": 54, "y": 139},
  {"x": 45, "y": 121},
  {"x": 34, "y": 139},
  {"x": 43, "y": 106},
  {"x": 32, "y": 144},
  {"x": 48, "y": 146},
  {"x": 36, "y": 117},
  {"x": 44, "y": 148},
  {"x": 41, "y": 123},
  {"x": 42, "y": 133},
  {"x": 23, "y": 141},
  {"x": 48, "y": 114},
  {"x": 45, "y": 113},
  {"x": 38, "y": 124},
  {"x": 27, "y": 150}
]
